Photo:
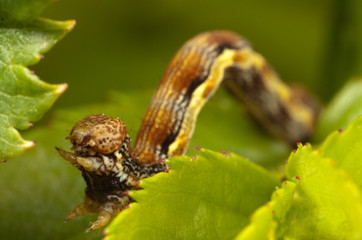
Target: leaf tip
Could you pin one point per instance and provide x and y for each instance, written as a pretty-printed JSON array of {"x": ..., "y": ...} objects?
[
  {"x": 28, "y": 144},
  {"x": 70, "y": 24},
  {"x": 61, "y": 88}
]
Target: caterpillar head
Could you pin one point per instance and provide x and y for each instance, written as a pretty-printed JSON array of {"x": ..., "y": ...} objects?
[
  {"x": 101, "y": 151},
  {"x": 98, "y": 135}
]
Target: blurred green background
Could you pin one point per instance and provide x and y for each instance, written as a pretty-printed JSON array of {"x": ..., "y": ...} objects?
[{"x": 125, "y": 46}]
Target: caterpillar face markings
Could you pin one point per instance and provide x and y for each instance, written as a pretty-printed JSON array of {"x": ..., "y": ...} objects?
[{"x": 102, "y": 146}]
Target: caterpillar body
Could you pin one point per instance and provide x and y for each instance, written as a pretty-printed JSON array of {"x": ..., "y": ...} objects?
[{"x": 102, "y": 148}]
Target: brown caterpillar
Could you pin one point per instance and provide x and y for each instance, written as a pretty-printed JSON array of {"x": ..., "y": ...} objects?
[{"x": 102, "y": 149}]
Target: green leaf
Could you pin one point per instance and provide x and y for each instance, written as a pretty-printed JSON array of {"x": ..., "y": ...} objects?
[
  {"x": 344, "y": 147},
  {"x": 261, "y": 226},
  {"x": 24, "y": 98},
  {"x": 342, "y": 109},
  {"x": 321, "y": 198},
  {"x": 209, "y": 196},
  {"x": 326, "y": 200}
]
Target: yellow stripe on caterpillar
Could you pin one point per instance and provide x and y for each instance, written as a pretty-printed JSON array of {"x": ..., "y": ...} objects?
[{"x": 198, "y": 100}]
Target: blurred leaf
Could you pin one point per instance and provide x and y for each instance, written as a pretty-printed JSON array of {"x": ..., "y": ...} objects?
[
  {"x": 208, "y": 197},
  {"x": 321, "y": 198},
  {"x": 343, "y": 108},
  {"x": 24, "y": 98}
]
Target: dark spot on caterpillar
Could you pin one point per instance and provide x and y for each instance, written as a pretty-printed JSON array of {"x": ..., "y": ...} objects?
[
  {"x": 228, "y": 45},
  {"x": 227, "y": 41}
]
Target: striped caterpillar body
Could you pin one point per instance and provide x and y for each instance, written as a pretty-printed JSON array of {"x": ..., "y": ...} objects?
[{"x": 102, "y": 149}]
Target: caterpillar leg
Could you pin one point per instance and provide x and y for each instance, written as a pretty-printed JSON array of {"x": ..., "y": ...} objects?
[
  {"x": 89, "y": 164},
  {"x": 87, "y": 206},
  {"x": 106, "y": 211}
]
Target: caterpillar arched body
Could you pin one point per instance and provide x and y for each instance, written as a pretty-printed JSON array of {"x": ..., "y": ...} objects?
[{"x": 102, "y": 149}]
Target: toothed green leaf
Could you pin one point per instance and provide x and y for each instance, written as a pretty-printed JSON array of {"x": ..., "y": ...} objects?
[
  {"x": 209, "y": 197},
  {"x": 321, "y": 198},
  {"x": 344, "y": 147},
  {"x": 24, "y": 98}
]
